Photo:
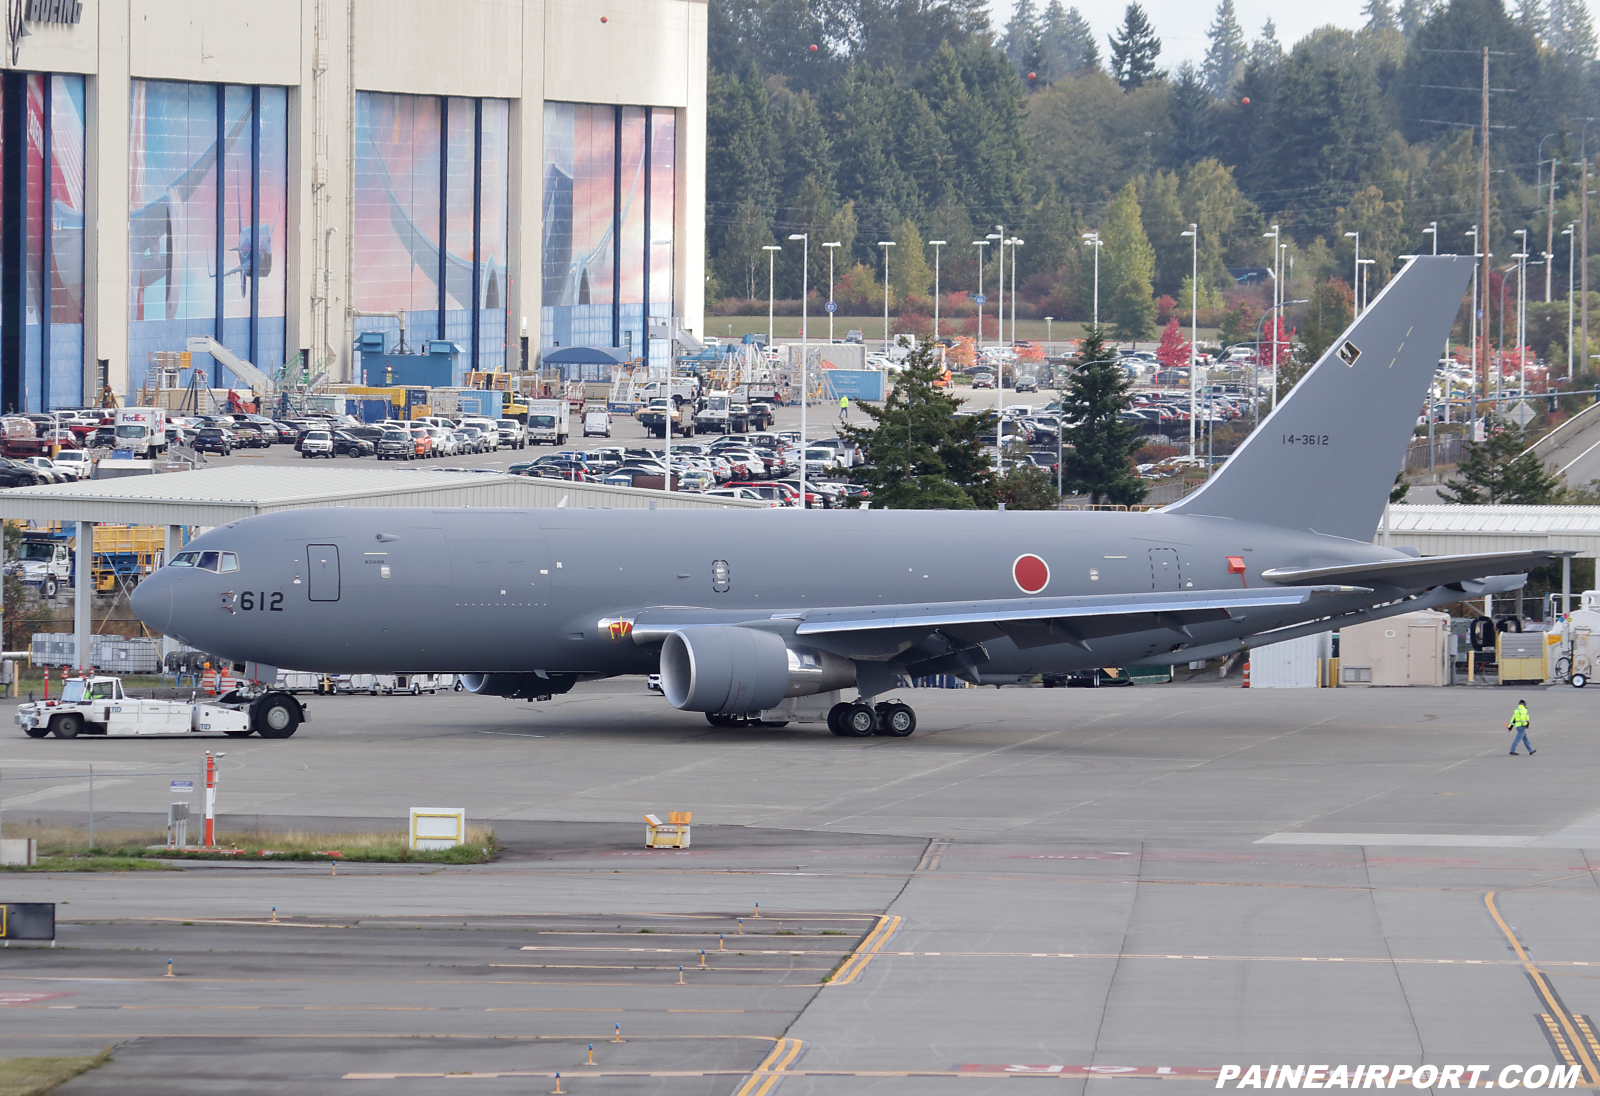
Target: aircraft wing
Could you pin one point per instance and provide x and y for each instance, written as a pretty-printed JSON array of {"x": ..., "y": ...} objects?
[
  {"x": 869, "y": 631},
  {"x": 1416, "y": 573}
]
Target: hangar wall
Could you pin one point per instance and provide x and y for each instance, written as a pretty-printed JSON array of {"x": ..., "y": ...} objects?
[{"x": 375, "y": 155}]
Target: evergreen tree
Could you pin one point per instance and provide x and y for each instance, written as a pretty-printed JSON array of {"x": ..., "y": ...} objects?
[
  {"x": 1189, "y": 118},
  {"x": 1380, "y": 15},
  {"x": 742, "y": 248},
  {"x": 909, "y": 272},
  {"x": 1069, "y": 46},
  {"x": 1413, "y": 13},
  {"x": 1569, "y": 31},
  {"x": 1225, "y": 51},
  {"x": 1133, "y": 55},
  {"x": 920, "y": 454},
  {"x": 1265, "y": 50},
  {"x": 1497, "y": 470},
  {"x": 1100, "y": 463},
  {"x": 1024, "y": 38}
]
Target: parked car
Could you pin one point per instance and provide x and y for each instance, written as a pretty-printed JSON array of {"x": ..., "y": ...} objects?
[
  {"x": 316, "y": 443},
  {"x": 213, "y": 439},
  {"x": 398, "y": 444},
  {"x": 346, "y": 444},
  {"x": 983, "y": 380},
  {"x": 76, "y": 460},
  {"x": 16, "y": 474},
  {"x": 513, "y": 435}
]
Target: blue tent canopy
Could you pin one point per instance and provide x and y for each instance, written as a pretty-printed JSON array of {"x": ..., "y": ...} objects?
[{"x": 586, "y": 363}]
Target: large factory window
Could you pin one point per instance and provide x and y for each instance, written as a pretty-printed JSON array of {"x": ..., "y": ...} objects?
[
  {"x": 205, "y": 245},
  {"x": 431, "y": 170},
  {"x": 608, "y": 224},
  {"x": 41, "y": 241}
]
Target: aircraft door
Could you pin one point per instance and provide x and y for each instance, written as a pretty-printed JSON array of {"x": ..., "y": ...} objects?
[
  {"x": 1166, "y": 572},
  {"x": 322, "y": 565}
]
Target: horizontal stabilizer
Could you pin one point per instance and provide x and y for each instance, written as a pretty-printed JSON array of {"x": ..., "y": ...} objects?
[{"x": 1413, "y": 573}]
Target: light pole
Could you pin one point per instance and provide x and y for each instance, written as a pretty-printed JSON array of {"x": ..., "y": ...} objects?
[
  {"x": 886, "y": 245},
  {"x": 1000, "y": 381},
  {"x": 980, "y": 245},
  {"x": 772, "y": 257},
  {"x": 1570, "y": 231},
  {"x": 1472, "y": 409},
  {"x": 1277, "y": 297},
  {"x": 936, "y": 245},
  {"x": 1356, "y": 272},
  {"x": 1520, "y": 329},
  {"x": 1433, "y": 230},
  {"x": 1362, "y": 265},
  {"x": 1096, "y": 243},
  {"x": 805, "y": 389},
  {"x": 1194, "y": 324},
  {"x": 1275, "y": 309},
  {"x": 831, "y": 306},
  {"x": 1550, "y": 223},
  {"x": 1049, "y": 332},
  {"x": 1015, "y": 243}
]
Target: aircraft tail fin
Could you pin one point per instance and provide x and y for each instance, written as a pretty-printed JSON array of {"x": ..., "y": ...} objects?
[{"x": 1325, "y": 460}]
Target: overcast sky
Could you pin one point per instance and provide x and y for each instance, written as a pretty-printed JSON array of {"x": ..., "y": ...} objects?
[{"x": 1181, "y": 24}]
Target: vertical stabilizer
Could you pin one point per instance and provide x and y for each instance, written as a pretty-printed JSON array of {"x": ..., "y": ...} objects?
[{"x": 1326, "y": 458}]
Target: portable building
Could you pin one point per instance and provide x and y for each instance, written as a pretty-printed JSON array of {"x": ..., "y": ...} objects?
[{"x": 1410, "y": 649}]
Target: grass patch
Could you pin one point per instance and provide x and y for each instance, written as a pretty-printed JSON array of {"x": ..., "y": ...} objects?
[
  {"x": 67, "y": 847},
  {"x": 35, "y": 1076},
  {"x": 88, "y": 863}
]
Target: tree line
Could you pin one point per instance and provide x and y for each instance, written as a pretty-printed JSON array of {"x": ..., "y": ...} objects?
[{"x": 861, "y": 121}]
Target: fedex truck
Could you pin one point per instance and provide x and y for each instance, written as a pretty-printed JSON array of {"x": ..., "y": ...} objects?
[{"x": 142, "y": 430}]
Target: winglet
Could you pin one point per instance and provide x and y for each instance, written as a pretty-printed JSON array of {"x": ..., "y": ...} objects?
[{"x": 1326, "y": 458}]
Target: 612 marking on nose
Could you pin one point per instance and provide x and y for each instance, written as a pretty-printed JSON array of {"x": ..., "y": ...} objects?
[{"x": 251, "y": 599}]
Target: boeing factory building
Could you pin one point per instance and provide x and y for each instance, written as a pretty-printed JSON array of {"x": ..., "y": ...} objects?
[{"x": 507, "y": 175}]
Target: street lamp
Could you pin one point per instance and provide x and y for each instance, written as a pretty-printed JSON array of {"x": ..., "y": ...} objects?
[
  {"x": 1362, "y": 265},
  {"x": 805, "y": 388},
  {"x": 1260, "y": 324},
  {"x": 886, "y": 245},
  {"x": 831, "y": 306},
  {"x": 772, "y": 256},
  {"x": 1472, "y": 412},
  {"x": 1049, "y": 332},
  {"x": 1356, "y": 272},
  {"x": 1194, "y": 323},
  {"x": 1572, "y": 247},
  {"x": 1000, "y": 381},
  {"x": 980, "y": 244},
  {"x": 1097, "y": 243},
  {"x": 1015, "y": 243},
  {"x": 1433, "y": 230},
  {"x": 936, "y": 245},
  {"x": 1522, "y": 310},
  {"x": 1277, "y": 298}
]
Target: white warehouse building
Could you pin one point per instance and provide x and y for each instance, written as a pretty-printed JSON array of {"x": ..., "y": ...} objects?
[{"x": 286, "y": 175}]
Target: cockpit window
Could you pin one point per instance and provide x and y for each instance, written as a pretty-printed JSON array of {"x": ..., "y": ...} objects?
[{"x": 207, "y": 561}]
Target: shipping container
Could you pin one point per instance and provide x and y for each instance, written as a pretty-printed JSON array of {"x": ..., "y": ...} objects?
[{"x": 1292, "y": 664}]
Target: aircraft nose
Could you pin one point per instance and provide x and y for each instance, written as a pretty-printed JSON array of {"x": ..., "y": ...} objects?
[{"x": 152, "y": 602}]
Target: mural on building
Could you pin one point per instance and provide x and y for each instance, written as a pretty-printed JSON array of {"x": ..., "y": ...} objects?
[
  {"x": 608, "y": 201},
  {"x": 195, "y": 231},
  {"x": 428, "y": 167}
]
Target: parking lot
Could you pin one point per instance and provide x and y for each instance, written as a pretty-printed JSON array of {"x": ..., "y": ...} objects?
[{"x": 1072, "y": 881}]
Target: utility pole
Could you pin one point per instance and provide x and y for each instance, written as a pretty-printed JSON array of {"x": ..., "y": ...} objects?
[
  {"x": 1550, "y": 233},
  {"x": 1583, "y": 274},
  {"x": 1483, "y": 223}
]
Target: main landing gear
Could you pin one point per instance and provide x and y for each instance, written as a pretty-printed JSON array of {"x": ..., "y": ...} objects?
[{"x": 861, "y": 720}]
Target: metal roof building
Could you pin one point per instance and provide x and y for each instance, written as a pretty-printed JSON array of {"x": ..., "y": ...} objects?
[
  {"x": 1438, "y": 530},
  {"x": 216, "y": 496}
]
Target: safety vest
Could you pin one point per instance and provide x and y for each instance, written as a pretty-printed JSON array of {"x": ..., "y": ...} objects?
[
  {"x": 1519, "y": 718},
  {"x": 844, "y": 401}
]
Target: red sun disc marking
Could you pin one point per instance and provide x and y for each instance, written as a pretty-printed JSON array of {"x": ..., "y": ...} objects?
[{"x": 1031, "y": 573}]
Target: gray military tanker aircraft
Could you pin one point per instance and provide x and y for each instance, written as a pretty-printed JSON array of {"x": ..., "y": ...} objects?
[{"x": 750, "y": 614}]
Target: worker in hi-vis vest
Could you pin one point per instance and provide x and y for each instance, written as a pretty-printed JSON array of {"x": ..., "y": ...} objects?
[
  {"x": 844, "y": 408},
  {"x": 1519, "y": 724}
]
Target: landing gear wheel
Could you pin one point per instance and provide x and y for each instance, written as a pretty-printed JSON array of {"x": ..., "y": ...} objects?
[
  {"x": 276, "y": 715},
  {"x": 66, "y": 726},
  {"x": 723, "y": 719},
  {"x": 1579, "y": 680},
  {"x": 896, "y": 720},
  {"x": 860, "y": 721},
  {"x": 836, "y": 716}
]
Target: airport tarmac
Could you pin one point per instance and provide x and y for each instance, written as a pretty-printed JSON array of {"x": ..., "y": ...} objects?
[{"x": 1096, "y": 885}]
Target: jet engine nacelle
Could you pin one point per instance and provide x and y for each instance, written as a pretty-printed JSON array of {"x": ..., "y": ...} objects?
[
  {"x": 726, "y": 668},
  {"x": 518, "y": 686}
]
